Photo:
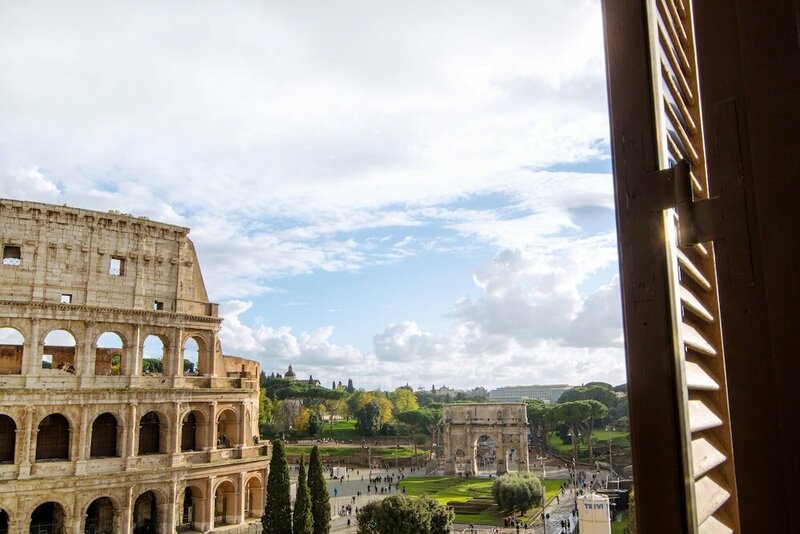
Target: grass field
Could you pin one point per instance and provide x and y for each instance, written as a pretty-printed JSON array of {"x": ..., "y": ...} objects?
[
  {"x": 600, "y": 438},
  {"x": 344, "y": 452},
  {"x": 475, "y": 493},
  {"x": 618, "y": 527}
]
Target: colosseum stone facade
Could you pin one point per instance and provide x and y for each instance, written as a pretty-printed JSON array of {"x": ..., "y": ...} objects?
[{"x": 118, "y": 410}]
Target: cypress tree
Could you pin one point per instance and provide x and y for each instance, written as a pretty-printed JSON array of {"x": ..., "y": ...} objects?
[
  {"x": 302, "y": 520},
  {"x": 320, "y": 500},
  {"x": 277, "y": 518}
]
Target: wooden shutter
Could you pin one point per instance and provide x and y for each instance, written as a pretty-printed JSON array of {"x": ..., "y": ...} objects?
[{"x": 699, "y": 359}]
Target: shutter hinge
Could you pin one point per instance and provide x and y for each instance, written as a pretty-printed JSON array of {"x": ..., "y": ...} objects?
[{"x": 699, "y": 221}]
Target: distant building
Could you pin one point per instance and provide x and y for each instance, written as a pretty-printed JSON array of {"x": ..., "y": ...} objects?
[
  {"x": 549, "y": 393},
  {"x": 290, "y": 375},
  {"x": 444, "y": 391}
]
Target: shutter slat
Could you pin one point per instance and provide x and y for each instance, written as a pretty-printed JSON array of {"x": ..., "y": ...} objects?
[
  {"x": 710, "y": 496},
  {"x": 690, "y": 301},
  {"x": 698, "y": 378},
  {"x": 695, "y": 340},
  {"x": 706, "y": 443},
  {"x": 693, "y": 271},
  {"x": 675, "y": 91},
  {"x": 701, "y": 417},
  {"x": 712, "y": 525},
  {"x": 680, "y": 128},
  {"x": 675, "y": 18},
  {"x": 705, "y": 457}
]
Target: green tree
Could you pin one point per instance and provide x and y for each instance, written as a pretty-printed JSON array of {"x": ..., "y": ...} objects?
[
  {"x": 350, "y": 388},
  {"x": 401, "y": 515},
  {"x": 539, "y": 420},
  {"x": 404, "y": 399},
  {"x": 368, "y": 419},
  {"x": 314, "y": 425},
  {"x": 599, "y": 392},
  {"x": 574, "y": 414},
  {"x": 266, "y": 408},
  {"x": 302, "y": 520},
  {"x": 425, "y": 420},
  {"x": 597, "y": 410},
  {"x": 320, "y": 500},
  {"x": 277, "y": 518},
  {"x": 517, "y": 492}
]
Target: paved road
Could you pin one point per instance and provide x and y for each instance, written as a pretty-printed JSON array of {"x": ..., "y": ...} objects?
[{"x": 343, "y": 492}]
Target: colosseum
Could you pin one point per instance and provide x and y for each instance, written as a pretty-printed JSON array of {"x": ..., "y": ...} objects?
[{"x": 118, "y": 410}]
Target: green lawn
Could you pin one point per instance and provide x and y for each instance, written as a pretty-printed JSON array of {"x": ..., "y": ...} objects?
[
  {"x": 600, "y": 438},
  {"x": 475, "y": 493},
  {"x": 618, "y": 527},
  {"x": 343, "y": 452},
  {"x": 346, "y": 431}
]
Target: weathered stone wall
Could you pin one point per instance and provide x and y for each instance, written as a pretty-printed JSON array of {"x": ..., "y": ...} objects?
[
  {"x": 465, "y": 424},
  {"x": 10, "y": 359},
  {"x": 66, "y": 251},
  {"x": 69, "y": 251},
  {"x": 241, "y": 367}
]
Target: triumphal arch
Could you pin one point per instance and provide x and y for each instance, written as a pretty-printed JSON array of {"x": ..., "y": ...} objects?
[{"x": 485, "y": 438}]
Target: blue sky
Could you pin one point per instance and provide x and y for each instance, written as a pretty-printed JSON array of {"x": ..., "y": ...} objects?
[{"x": 390, "y": 192}]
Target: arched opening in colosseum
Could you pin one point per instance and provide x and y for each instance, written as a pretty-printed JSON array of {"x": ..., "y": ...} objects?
[
  {"x": 225, "y": 504},
  {"x": 52, "y": 440},
  {"x": 3, "y": 522},
  {"x": 12, "y": 344},
  {"x": 109, "y": 353},
  {"x": 153, "y": 355},
  {"x": 150, "y": 434},
  {"x": 227, "y": 429},
  {"x": 254, "y": 498},
  {"x": 8, "y": 437},
  {"x": 144, "y": 518},
  {"x": 105, "y": 431},
  {"x": 193, "y": 430},
  {"x": 192, "y": 508},
  {"x": 100, "y": 516},
  {"x": 48, "y": 518},
  {"x": 195, "y": 357},
  {"x": 59, "y": 351},
  {"x": 486, "y": 454}
]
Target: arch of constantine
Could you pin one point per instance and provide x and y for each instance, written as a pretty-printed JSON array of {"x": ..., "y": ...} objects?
[
  {"x": 485, "y": 437},
  {"x": 118, "y": 410}
]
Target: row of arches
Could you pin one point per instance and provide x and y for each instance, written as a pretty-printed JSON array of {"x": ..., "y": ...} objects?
[
  {"x": 112, "y": 354},
  {"x": 233, "y": 501},
  {"x": 54, "y": 435}
]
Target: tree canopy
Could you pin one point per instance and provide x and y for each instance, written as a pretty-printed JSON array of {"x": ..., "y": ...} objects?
[
  {"x": 401, "y": 515},
  {"x": 404, "y": 399},
  {"x": 320, "y": 499},
  {"x": 277, "y": 518},
  {"x": 368, "y": 419},
  {"x": 302, "y": 520},
  {"x": 517, "y": 492}
]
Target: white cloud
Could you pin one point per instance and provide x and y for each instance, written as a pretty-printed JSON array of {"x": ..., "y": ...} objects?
[
  {"x": 293, "y": 136},
  {"x": 529, "y": 324}
]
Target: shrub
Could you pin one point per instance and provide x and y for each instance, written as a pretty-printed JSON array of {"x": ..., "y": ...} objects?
[{"x": 517, "y": 491}]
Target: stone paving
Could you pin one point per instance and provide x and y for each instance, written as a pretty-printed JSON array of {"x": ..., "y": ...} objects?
[{"x": 343, "y": 493}]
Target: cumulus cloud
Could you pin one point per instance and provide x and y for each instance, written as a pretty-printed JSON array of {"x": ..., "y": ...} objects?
[
  {"x": 305, "y": 137},
  {"x": 277, "y": 347},
  {"x": 326, "y": 119},
  {"x": 530, "y": 323}
]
